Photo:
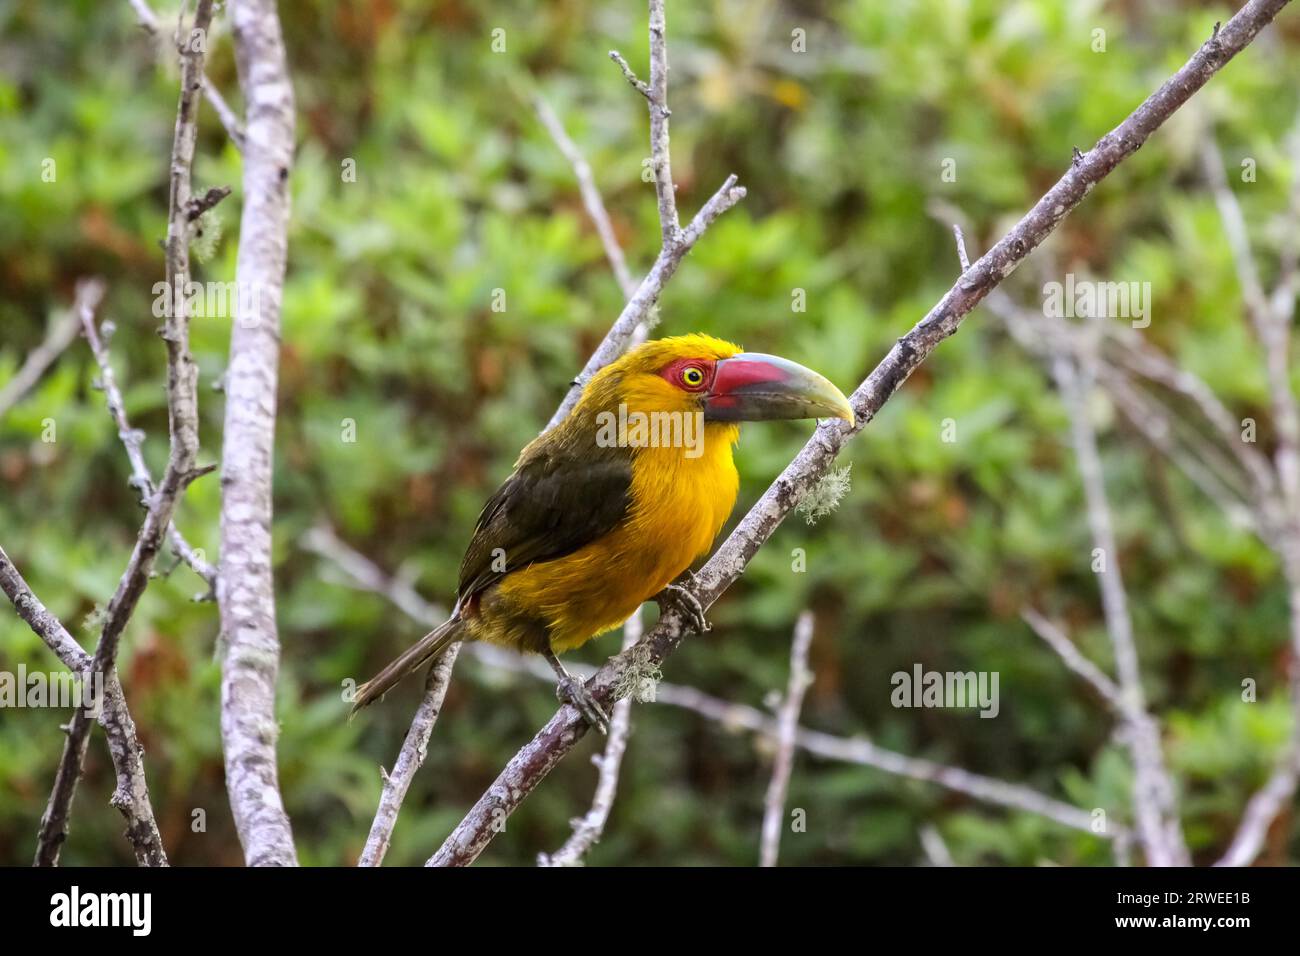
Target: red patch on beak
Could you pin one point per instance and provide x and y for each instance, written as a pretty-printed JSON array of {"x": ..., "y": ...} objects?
[{"x": 735, "y": 374}]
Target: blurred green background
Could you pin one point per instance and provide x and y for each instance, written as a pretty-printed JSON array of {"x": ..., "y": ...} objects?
[{"x": 388, "y": 322}]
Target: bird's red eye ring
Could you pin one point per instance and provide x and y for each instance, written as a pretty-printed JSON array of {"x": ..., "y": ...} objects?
[
  {"x": 692, "y": 376},
  {"x": 689, "y": 374}
]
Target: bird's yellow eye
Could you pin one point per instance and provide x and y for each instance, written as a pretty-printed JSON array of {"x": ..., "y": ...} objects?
[{"x": 692, "y": 377}]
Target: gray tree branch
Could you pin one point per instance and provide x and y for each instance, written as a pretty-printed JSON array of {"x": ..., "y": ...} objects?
[
  {"x": 61, "y": 332},
  {"x": 131, "y": 796},
  {"x": 787, "y": 726},
  {"x": 1154, "y": 793},
  {"x": 133, "y": 441},
  {"x": 234, "y": 129},
  {"x": 183, "y": 428},
  {"x": 1271, "y": 318},
  {"x": 245, "y": 586}
]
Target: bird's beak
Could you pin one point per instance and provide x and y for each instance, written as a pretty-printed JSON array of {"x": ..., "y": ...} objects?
[{"x": 752, "y": 387}]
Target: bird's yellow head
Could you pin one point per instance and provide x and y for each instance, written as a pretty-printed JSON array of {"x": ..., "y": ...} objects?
[{"x": 698, "y": 373}]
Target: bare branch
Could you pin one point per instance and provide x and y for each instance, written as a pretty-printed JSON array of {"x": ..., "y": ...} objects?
[
  {"x": 1141, "y": 358},
  {"x": 1056, "y": 639},
  {"x": 1154, "y": 793},
  {"x": 676, "y": 242},
  {"x": 867, "y": 754},
  {"x": 131, "y": 796},
  {"x": 1065, "y": 351},
  {"x": 536, "y": 759},
  {"x": 665, "y": 188},
  {"x": 638, "y": 307},
  {"x": 183, "y": 422},
  {"x": 962, "y": 257},
  {"x": 1272, "y": 328},
  {"x": 133, "y": 440},
  {"x": 590, "y": 195},
  {"x": 936, "y": 850},
  {"x": 368, "y": 576},
  {"x": 787, "y": 725},
  {"x": 1189, "y": 448},
  {"x": 60, "y": 333},
  {"x": 234, "y": 129},
  {"x": 587, "y": 829},
  {"x": 1271, "y": 319},
  {"x": 636, "y": 82},
  {"x": 414, "y": 749},
  {"x": 1264, "y": 807},
  {"x": 245, "y": 589}
]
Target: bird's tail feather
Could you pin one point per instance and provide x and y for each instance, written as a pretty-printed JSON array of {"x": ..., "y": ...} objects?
[{"x": 424, "y": 651}]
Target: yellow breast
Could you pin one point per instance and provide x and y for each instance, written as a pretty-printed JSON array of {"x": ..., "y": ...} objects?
[{"x": 679, "y": 504}]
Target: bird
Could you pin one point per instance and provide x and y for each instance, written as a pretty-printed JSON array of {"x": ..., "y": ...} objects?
[{"x": 607, "y": 509}]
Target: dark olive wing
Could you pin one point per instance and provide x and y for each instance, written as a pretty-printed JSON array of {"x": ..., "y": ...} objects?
[{"x": 551, "y": 506}]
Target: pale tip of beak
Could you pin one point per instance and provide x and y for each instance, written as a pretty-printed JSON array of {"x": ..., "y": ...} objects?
[{"x": 844, "y": 412}]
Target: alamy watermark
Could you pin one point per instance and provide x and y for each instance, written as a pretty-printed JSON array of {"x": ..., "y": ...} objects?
[
  {"x": 651, "y": 430},
  {"x": 59, "y": 689},
  {"x": 1086, "y": 299},
  {"x": 239, "y": 301},
  {"x": 959, "y": 689}
]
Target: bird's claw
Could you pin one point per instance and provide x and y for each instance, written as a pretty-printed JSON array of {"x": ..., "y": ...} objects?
[
  {"x": 571, "y": 690},
  {"x": 687, "y": 603}
]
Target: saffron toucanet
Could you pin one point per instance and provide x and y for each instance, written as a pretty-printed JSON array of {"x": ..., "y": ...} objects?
[{"x": 605, "y": 510}]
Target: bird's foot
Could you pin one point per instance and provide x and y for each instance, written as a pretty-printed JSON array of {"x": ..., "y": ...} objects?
[
  {"x": 686, "y": 602},
  {"x": 571, "y": 690}
]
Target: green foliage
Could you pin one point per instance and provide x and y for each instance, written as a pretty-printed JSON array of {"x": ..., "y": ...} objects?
[{"x": 389, "y": 324}]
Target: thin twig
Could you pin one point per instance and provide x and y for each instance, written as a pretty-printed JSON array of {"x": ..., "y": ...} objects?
[
  {"x": 1154, "y": 792},
  {"x": 665, "y": 189},
  {"x": 1139, "y": 356},
  {"x": 131, "y": 796},
  {"x": 1264, "y": 807},
  {"x": 1056, "y": 639},
  {"x": 1189, "y": 448},
  {"x": 234, "y": 129},
  {"x": 647, "y": 293},
  {"x": 133, "y": 442},
  {"x": 588, "y": 829},
  {"x": 61, "y": 332},
  {"x": 245, "y": 585},
  {"x": 1271, "y": 318},
  {"x": 1272, "y": 329},
  {"x": 868, "y": 754},
  {"x": 636, "y": 82},
  {"x": 936, "y": 850},
  {"x": 787, "y": 725},
  {"x": 409, "y": 758},
  {"x": 535, "y": 760},
  {"x": 590, "y": 195}
]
